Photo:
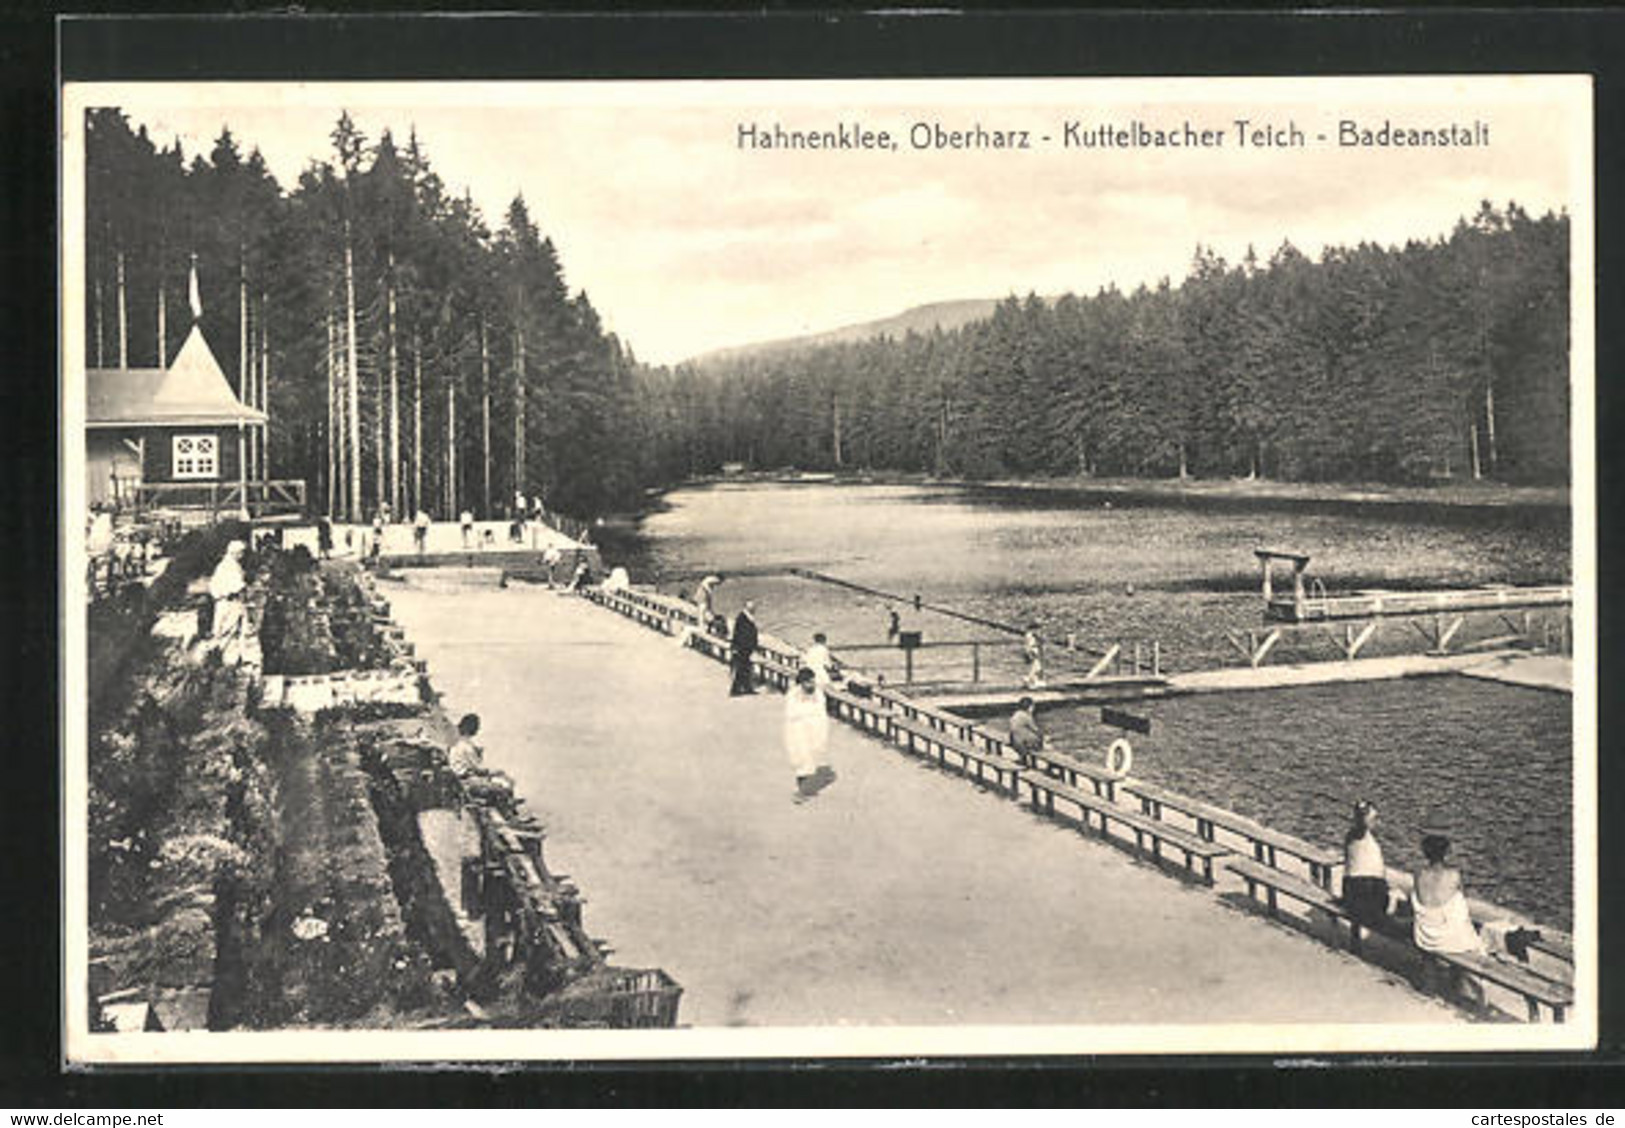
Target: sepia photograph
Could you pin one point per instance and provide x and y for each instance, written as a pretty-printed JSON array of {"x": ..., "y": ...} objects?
[{"x": 633, "y": 570}]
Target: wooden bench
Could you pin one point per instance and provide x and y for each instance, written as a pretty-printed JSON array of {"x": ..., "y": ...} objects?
[
  {"x": 1072, "y": 770},
  {"x": 972, "y": 761},
  {"x": 1276, "y": 881},
  {"x": 939, "y": 721},
  {"x": 859, "y": 712},
  {"x": 1046, "y": 790},
  {"x": 1537, "y": 990},
  {"x": 1057, "y": 766},
  {"x": 1556, "y": 946},
  {"x": 1267, "y": 843}
]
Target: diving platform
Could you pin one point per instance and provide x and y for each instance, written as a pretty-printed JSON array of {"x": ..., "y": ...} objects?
[
  {"x": 1310, "y": 602},
  {"x": 990, "y": 701}
]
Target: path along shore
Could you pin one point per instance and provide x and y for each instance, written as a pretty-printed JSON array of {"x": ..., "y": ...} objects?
[{"x": 899, "y": 896}]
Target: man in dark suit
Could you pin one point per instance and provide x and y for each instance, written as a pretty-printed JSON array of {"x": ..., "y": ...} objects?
[{"x": 742, "y": 646}]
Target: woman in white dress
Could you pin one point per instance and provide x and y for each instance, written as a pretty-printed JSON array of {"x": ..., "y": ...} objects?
[
  {"x": 226, "y": 586},
  {"x": 806, "y": 735}
]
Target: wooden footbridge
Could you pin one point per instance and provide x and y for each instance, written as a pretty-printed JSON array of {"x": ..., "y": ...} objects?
[
  {"x": 1309, "y": 600},
  {"x": 1350, "y": 620},
  {"x": 1201, "y": 842}
]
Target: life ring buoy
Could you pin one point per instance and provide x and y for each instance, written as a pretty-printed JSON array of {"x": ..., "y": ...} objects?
[{"x": 1126, "y": 750}]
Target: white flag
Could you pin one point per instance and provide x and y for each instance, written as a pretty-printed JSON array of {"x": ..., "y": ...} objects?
[{"x": 192, "y": 293}]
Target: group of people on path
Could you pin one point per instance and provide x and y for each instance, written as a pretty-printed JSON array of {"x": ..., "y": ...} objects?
[
  {"x": 381, "y": 518},
  {"x": 806, "y": 709}
]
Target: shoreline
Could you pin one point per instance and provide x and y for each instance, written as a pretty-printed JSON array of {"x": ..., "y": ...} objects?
[{"x": 1233, "y": 491}]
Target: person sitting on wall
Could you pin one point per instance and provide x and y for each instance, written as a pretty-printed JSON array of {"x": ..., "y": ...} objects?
[
  {"x": 467, "y": 761},
  {"x": 1365, "y": 876}
]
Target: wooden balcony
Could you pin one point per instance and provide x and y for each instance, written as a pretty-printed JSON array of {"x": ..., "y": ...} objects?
[{"x": 274, "y": 497}]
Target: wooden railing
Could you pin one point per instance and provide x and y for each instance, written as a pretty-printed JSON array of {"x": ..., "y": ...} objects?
[
  {"x": 988, "y": 758},
  {"x": 264, "y": 498}
]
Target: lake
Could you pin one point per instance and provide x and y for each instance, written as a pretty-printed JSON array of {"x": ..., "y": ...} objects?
[{"x": 1492, "y": 762}]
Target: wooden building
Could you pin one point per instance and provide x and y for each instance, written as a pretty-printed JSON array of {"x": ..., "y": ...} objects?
[{"x": 173, "y": 435}]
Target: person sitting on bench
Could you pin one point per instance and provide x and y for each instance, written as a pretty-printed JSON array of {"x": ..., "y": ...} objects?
[
  {"x": 1025, "y": 735},
  {"x": 1365, "y": 877},
  {"x": 467, "y": 762},
  {"x": 1442, "y": 920}
]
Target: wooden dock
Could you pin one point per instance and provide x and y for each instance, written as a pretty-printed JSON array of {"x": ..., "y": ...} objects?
[
  {"x": 1372, "y": 604},
  {"x": 1001, "y": 700},
  {"x": 1231, "y": 679},
  {"x": 1310, "y": 602},
  {"x": 1511, "y": 667},
  {"x": 1534, "y": 671},
  {"x": 1116, "y": 807}
]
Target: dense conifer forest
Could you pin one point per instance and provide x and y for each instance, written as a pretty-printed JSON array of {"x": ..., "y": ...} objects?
[{"x": 407, "y": 353}]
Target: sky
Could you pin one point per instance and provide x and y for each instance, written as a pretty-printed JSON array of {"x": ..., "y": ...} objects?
[{"x": 686, "y": 240}]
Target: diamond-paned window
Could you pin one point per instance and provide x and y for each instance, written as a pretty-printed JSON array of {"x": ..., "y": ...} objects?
[{"x": 196, "y": 456}]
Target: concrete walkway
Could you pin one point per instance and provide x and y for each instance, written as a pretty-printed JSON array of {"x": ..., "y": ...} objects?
[
  {"x": 1534, "y": 671},
  {"x": 898, "y": 896}
]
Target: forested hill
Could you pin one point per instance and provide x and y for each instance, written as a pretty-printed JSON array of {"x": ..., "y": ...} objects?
[
  {"x": 407, "y": 353},
  {"x": 920, "y": 319},
  {"x": 1446, "y": 358}
]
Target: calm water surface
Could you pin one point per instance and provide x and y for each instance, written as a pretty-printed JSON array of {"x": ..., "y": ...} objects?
[{"x": 1492, "y": 762}]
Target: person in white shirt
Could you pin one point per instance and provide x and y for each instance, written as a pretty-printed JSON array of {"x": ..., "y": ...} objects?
[
  {"x": 420, "y": 531},
  {"x": 1365, "y": 876},
  {"x": 467, "y": 762},
  {"x": 226, "y": 590},
  {"x": 705, "y": 598},
  {"x": 806, "y": 735},
  {"x": 1032, "y": 649},
  {"x": 820, "y": 661},
  {"x": 466, "y": 520}
]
